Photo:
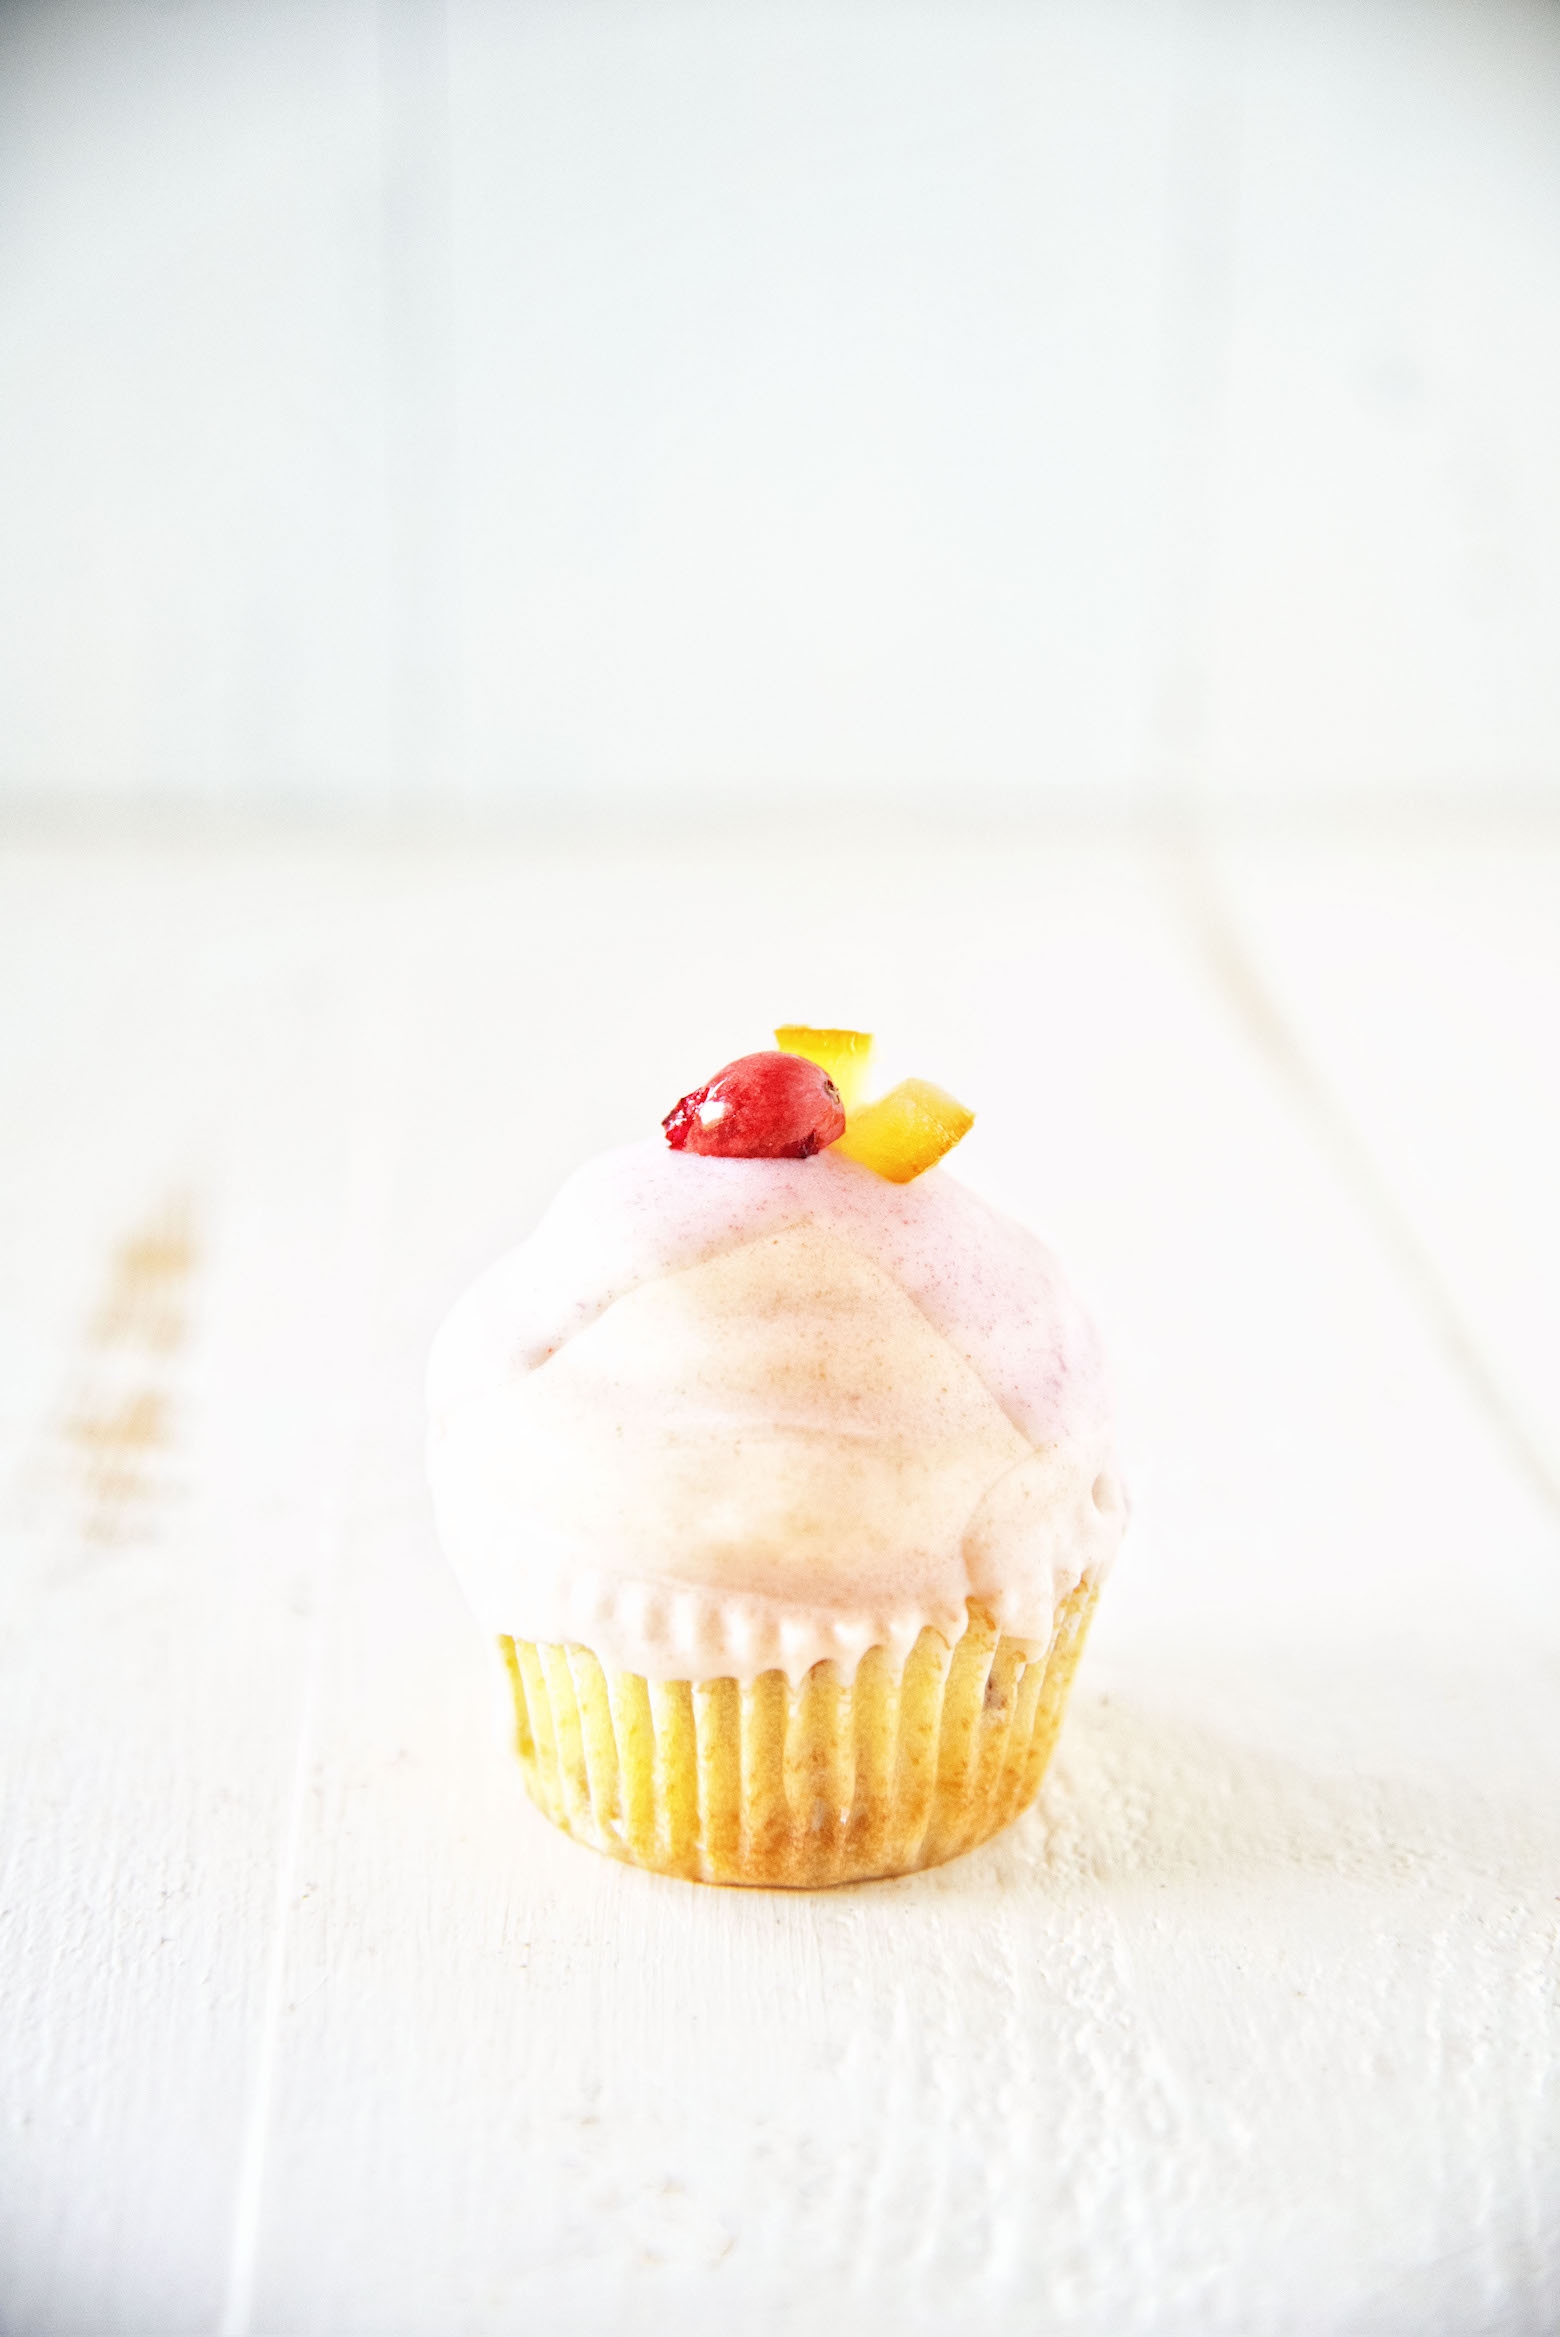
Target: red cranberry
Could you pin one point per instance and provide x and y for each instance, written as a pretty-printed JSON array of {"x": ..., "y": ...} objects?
[{"x": 762, "y": 1107}]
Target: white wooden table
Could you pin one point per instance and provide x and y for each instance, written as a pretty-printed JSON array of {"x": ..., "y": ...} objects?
[{"x": 310, "y": 2024}]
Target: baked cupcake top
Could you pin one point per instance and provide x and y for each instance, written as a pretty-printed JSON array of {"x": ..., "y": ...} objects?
[{"x": 721, "y": 1415}]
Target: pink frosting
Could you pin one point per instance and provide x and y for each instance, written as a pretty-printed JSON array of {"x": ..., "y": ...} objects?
[
  {"x": 628, "y": 1496},
  {"x": 994, "y": 1292}
]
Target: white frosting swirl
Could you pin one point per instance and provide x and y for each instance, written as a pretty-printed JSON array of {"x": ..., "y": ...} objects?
[{"x": 722, "y": 1416}]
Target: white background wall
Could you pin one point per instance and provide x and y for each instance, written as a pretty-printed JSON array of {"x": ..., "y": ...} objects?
[{"x": 567, "y": 401}]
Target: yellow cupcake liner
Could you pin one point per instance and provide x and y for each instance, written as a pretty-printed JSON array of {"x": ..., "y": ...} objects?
[{"x": 829, "y": 1781}]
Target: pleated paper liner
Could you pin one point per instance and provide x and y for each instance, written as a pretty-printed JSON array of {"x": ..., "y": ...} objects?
[{"x": 829, "y": 1781}]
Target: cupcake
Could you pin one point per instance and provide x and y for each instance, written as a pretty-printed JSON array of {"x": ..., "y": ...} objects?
[{"x": 780, "y": 1468}]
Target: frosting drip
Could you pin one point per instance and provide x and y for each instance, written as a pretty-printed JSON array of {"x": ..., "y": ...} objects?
[{"x": 718, "y": 1421}]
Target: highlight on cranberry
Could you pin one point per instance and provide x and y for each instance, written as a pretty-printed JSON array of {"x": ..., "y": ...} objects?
[{"x": 762, "y": 1107}]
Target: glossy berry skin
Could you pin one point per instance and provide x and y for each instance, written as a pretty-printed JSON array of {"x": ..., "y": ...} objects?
[{"x": 762, "y": 1107}]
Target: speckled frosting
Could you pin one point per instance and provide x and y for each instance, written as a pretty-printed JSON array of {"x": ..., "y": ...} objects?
[{"x": 722, "y": 1416}]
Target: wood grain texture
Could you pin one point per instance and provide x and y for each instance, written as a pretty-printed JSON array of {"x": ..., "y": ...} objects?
[
  {"x": 311, "y": 2024},
  {"x": 164, "y": 1039},
  {"x": 1423, "y": 976}
]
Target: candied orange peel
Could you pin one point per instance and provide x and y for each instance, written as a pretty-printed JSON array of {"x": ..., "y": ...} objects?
[
  {"x": 901, "y": 1134},
  {"x": 843, "y": 1055}
]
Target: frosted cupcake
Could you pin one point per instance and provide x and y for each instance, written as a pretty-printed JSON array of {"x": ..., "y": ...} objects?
[{"x": 781, "y": 1469}]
